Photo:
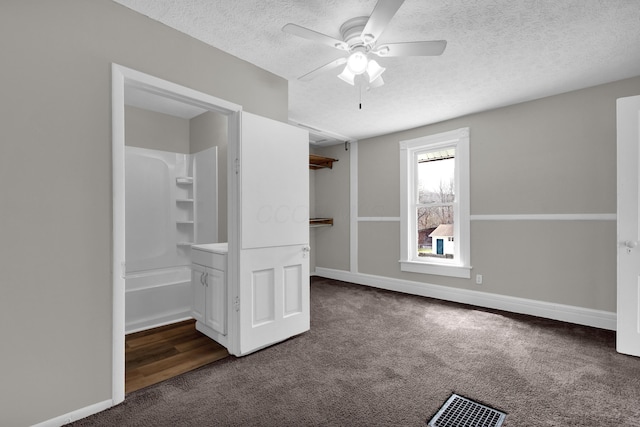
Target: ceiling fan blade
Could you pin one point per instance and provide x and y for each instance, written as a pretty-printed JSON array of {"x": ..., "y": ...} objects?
[
  {"x": 327, "y": 67},
  {"x": 427, "y": 48},
  {"x": 380, "y": 17},
  {"x": 315, "y": 36}
]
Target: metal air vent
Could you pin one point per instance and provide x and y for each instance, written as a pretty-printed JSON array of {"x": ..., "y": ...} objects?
[{"x": 459, "y": 411}]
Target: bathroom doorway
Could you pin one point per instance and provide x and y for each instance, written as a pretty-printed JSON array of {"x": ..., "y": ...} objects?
[
  {"x": 267, "y": 267},
  {"x": 163, "y": 136},
  {"x": 171, "y": 203}
]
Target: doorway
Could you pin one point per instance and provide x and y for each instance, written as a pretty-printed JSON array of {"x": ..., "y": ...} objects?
[{"x": 153, "y": 94}]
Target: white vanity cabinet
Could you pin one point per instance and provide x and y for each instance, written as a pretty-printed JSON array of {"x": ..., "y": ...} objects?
[{"x": 209, "y": 283}]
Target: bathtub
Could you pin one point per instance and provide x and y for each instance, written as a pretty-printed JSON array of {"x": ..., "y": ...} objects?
[{"x": 157, "y": 297}]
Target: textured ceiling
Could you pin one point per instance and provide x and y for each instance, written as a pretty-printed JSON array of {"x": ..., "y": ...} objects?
[{"x": 499, "y": 52}]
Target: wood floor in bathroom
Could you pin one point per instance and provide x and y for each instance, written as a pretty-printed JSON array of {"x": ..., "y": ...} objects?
[{"x": 161, "y": 353}]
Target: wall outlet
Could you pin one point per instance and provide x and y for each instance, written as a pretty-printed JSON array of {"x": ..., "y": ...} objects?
[{"x": 478, "y": 279}]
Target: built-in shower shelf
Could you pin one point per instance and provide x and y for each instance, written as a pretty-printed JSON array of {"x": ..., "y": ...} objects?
[
  {"x": 184, "y": 180},
  {"x": 185, "y": 204}
]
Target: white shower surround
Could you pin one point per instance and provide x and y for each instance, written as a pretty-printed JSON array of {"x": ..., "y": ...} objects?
[{"x": 163, "y": 217}]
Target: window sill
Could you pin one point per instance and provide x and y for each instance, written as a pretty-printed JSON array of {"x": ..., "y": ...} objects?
[{"x": 461, "y": 271}]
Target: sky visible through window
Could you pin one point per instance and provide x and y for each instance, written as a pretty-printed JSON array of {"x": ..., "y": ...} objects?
[{"x": 431, "y": 174}]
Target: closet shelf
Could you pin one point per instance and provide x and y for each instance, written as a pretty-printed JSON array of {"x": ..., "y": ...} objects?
[
  {"x": 184, "y": 222},
  {"x": 184, "y": 180},
  {"x": 320, "y": 162},
  {"x": 184, "y": 200},
  {"x": 320, "y": 222},
  {"x": 189, "y": 244}
]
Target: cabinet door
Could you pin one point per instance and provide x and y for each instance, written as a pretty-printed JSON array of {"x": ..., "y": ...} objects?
[
  {"x": 216, "y": 315},
  {"x": 198, "y": 306}
]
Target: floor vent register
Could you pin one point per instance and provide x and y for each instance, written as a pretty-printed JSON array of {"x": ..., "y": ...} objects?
[{"x": 459, "y": 411}]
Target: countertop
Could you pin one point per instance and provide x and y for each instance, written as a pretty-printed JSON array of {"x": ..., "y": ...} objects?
[{"x": 219, "y": 248}]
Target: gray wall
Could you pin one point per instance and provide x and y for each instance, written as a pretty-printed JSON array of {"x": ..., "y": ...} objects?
[
  {"x": 156, "y": 131},
  {"x": 555, "y": 155},
  {"x": 208, "y": 130},
  {"x": 55, "y": 182}
]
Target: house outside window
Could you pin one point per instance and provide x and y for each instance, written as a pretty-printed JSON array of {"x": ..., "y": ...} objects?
[{"x": 435, "y": 204}]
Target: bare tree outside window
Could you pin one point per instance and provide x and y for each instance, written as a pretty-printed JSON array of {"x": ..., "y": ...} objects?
[{"x": 435, "y": 200}]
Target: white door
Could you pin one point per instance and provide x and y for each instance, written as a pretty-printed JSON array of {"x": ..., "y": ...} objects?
[
  {"x": 628, "y": 126},
  {"x": 273, "y": 239}
]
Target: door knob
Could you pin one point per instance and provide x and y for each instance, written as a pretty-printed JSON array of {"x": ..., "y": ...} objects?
[{"x": 630, "y": 245}]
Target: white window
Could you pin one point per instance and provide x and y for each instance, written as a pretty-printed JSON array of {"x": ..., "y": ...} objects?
[{"x": 434, "y": 211}]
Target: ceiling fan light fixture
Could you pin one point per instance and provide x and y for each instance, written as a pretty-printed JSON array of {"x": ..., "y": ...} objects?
[
  {"x": 357, "y": 62},
  {"x": 347, "y": 76},
  {"x": 375, "y": 83},
  {"x": 374, "y": 70},
  {"x": 359, "y": 40}
]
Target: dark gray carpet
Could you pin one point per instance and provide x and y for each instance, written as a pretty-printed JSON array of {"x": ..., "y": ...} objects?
[{"x": 379, "y": 358}]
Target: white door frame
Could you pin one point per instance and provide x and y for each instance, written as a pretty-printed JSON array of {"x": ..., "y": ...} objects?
[{"x": 122, "y": 78}]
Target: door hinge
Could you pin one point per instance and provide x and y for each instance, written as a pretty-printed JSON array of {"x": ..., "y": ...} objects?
[
  {"x": 237, "y": 166},
  {"x": 124, "y": 270},
  {"x": 236, "y": 303}
]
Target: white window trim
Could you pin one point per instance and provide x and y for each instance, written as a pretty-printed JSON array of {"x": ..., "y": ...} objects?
[{"x": 460, "y": 266}]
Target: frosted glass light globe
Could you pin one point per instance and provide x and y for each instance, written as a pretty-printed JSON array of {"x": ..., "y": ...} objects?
[{"x": 357, "y": 63}]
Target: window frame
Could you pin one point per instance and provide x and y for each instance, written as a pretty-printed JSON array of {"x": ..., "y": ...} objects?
[{"x": 460, "y": 265}]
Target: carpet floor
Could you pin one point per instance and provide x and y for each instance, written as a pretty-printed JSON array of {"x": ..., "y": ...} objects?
[{"x": 380, "y": 358}]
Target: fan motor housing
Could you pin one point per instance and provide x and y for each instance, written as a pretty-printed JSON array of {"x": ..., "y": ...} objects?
[{"x": 351, "y": 32}]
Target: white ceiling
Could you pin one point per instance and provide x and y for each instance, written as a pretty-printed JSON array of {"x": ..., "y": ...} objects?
[{"x": 499, "y": 52}]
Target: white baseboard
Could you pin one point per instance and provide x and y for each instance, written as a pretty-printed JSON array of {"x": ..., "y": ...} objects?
[
  {"x": 566, "y": 313},
  {"x": 76, "y": 415}
]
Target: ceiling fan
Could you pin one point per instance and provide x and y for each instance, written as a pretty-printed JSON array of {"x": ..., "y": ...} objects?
[{"x": 359, "y": 39}]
